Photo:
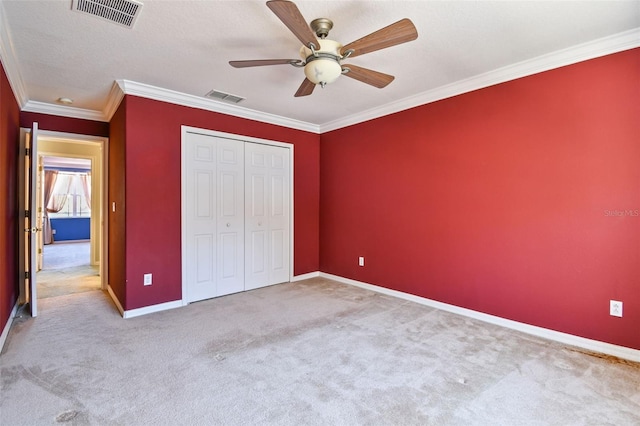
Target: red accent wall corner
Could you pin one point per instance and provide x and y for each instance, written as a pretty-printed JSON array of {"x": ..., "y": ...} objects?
[{"x": 520, "y": 200}]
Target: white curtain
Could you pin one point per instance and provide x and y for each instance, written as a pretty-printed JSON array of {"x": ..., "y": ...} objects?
[
  {"x": 56, "y": 200},
  {"x": 86, "y": 188},
  {"x": 50, "y": 177}
]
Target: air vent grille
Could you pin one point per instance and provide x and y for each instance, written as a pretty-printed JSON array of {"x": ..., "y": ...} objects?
[
  {"x": 121, "y": 12},
  {"x": 226, "y": 97}
]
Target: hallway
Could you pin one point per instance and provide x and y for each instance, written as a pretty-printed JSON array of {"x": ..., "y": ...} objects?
[{"x": 66, "y": 270}]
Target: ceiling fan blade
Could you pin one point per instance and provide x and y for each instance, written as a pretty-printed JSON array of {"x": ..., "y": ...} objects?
[
  {"x": 397, "y": 33},
  {"x": 306, "y": 88},
  {"x": 290, "y": 16},
  {"x": 262, "y": 62},
  {"x": 368, "y": 76}
]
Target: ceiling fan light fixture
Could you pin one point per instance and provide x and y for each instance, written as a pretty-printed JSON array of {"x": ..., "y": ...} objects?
[
  {"x": 322, "y": 65},
  {"x": 323, "y": 71}
]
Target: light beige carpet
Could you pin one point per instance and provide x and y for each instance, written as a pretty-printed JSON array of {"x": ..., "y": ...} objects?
[
  {"x": 309, "y": 353},
  {"x": 61, "y": 255},
  {"x": 67, "y": 270},
  {"x": 59, "y": 282}
]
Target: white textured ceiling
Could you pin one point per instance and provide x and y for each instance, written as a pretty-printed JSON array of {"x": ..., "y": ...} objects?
[{"x": 185, "y": 46}]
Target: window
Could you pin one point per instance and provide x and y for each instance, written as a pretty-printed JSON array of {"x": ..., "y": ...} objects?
[{"x": 71, "y": 195}]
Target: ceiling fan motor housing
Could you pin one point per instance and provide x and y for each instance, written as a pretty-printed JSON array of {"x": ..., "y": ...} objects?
[{"x": 322, "y": 66}]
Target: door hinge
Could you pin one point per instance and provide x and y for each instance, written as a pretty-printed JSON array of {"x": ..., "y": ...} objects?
[
  {"x": 27, "y": 152},
  {"x": 27, "y": 275},
  {"x": 27, "y": 213}
]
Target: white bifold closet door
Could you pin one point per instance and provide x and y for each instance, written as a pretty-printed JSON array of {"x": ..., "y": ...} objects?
[
  {"x": 236, "y": 212},
  {"x": 266, "y": 215}
]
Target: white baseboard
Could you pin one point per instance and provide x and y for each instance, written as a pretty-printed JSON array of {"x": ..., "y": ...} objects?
[
  {"x": 7, "y": 326},
  {"x": 153, "y": 308},
  {"x": 131, "y": 313},
  {"x": 115, "y": 300},
  {"x": 569, "y": 339},
  {"x": 305, "y": 276}
]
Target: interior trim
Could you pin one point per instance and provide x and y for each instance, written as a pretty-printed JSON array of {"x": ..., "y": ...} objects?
[
  {"x": 115, "y": 300},
  {"x": 157, "y": 93},
  {"x": 582, "y": 52},
  {"x": 63, "y": 110},
  {"x": 151, "y": 309},
  {"x": 7, "y": 326},
  {"x": 10, "y": 62},
  {"x": 545, "y": 333},
  {"x": 303, "y": 277}
]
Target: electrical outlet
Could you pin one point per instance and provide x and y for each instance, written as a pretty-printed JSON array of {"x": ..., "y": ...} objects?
[
  {"x": 148, "y": 279},
  {"x": 615, "y": 308},
  {"x": 361, "y": 261}
]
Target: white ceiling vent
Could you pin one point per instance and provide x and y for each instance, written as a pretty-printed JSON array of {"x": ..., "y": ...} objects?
[
  {"x": 226, "y": 97},
  {"x": 121, "y": 12}
]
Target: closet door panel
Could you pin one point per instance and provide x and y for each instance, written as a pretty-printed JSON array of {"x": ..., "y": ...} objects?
[
  {"x": 256, "y": 218},
  {"x": 230, "y": 217},
  {"x": 236, "y": 216},
  {"x": 267, "y": 218},
  {"x": 200, "y": 223},
  {"x": 279, "y": 178}
]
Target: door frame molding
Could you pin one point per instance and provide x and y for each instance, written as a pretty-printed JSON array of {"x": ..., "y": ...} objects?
[
  {"x": 104, "y": 147},
  {"x": 240, "y": 138}
]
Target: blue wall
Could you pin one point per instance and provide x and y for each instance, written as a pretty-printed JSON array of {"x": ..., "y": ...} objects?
[{"x": 73, "y": 228}]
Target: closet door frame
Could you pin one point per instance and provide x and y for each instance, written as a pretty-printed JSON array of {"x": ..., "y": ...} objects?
[{"x": 241, "y": 139}]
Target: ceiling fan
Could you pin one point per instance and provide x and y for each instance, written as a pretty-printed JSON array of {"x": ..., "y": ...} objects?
[{"x": 322, "y": 58}]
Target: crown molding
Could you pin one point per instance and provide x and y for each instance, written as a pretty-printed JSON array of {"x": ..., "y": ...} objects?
[
  {"x": 165, "y": 95},
  {"x": 597, "y": 48},
  {"x": 10, "y": 62},
  {"x": 63, "y": 110},
  {"x": 582, "y": 52},
  {"x": 113, "y": 101}
]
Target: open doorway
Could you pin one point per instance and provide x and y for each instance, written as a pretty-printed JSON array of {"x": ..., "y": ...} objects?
[
  {"x": 71, "y": 254},
  {"x": 65, "y": 265}
]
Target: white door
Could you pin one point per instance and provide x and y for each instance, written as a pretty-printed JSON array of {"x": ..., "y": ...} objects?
[
  {"x": 40, "y": 212},
  {"x": 200, "y": 222},
  {"x": 27, "y": 243},
  {"x": 236, "y": 215},
  {"x": 214, "y": 222},
  {"x": 230, "y": 217},
  {"x": 267, "y": 209},
  {"x": 33, "y": 220}
]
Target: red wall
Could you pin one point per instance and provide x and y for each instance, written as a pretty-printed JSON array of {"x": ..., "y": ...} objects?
[
  {"x": 64, "y": 124},
  {"x": 116, "y": 194},
  {"x": 9, "y": 134},
  {"x": 502, "y": 200},
  {"x": 153, "y": 175}
]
